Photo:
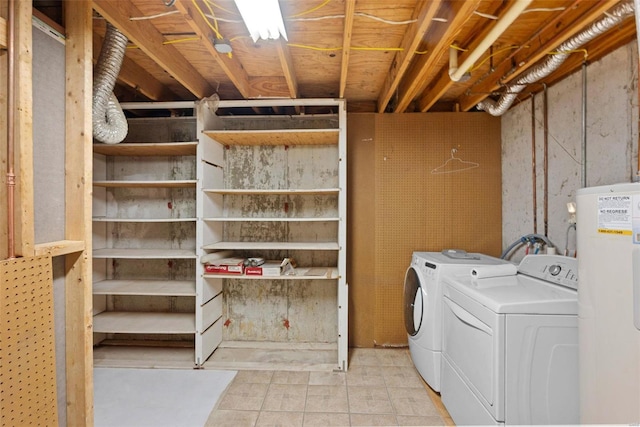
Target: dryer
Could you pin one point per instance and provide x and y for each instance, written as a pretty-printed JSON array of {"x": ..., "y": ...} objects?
[
  {"x": 423, "y": 304},
  {"x": 510, "y": 345}
]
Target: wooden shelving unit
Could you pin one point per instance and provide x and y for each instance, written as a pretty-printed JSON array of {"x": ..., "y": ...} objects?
[
  {"x": 291, "y": 204},
  {"x": 145, "y": 285}
]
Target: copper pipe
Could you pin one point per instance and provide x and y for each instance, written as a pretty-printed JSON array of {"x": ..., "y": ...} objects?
[
  {"x": 11, "y": 177},
  {"x": 533, "y": 164},
  {"x": 545, "y": 121}
]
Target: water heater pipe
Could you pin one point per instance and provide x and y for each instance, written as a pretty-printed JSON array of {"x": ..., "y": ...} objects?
[
  {"x": 636, "y": 4},
  {"x": 455, "y": 72},
  {"x": 11, "y": 177}
]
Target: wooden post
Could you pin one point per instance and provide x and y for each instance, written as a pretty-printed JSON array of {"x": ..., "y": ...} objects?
[{"x": 78, "y": 167}]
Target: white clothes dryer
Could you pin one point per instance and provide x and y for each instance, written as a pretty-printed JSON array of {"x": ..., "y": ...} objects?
[
  {"x": 510, "y": 345},
  {"x": 423, "y": 304}
]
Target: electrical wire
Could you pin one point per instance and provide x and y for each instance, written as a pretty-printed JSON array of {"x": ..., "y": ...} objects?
[
  {"x": 474, "y": 68},
  {"x": 220, "y": 7},
  {"x": 332, "y": 49},
  {"x": 310, "y": 10},
  {"x": 159, "y": 15},
  {"x": 214, "y": 29}
]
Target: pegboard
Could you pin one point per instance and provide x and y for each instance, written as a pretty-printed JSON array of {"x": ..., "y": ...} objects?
[
  {"x": 409, "y": 197},
  {"x": 27, "y": 343}
]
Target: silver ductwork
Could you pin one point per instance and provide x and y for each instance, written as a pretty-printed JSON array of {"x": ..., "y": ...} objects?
[
  {"x": 611, "y": 19},
  {"x": 109, "y": 123}
]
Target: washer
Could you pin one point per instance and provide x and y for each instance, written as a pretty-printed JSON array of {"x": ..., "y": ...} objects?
[
  {"x": 423, "y": 304},
  {"x": 510, "y": 345}
]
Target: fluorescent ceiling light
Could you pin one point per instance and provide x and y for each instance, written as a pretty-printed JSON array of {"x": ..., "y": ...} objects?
[{"x": 262, "y": 18}]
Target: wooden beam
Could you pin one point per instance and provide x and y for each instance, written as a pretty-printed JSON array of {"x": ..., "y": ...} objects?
[
  {"x": 134, "y": 76},
  {"x": 4, "y": 247},
  {"x": 410, "y": 44},
  {"x": 503, "y": 72},
  {"x": 61, "y": 247},
  {"x": 349, "y": 11},
  {"x": 150, "y": 41},
  {"x": 444, "y": 33},
  {"x": 284, "y": 54},
  {"x": 24, "y": 213},
  {"x": 231, "y": 66},
  {"x": 3, "y": 33},
  {"x": 78, "y": 188}
]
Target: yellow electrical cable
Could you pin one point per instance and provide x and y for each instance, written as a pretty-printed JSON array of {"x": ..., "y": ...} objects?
[
  {"x": 195, "y": 3},
  {"x": 329, "y": 49},
  {"x": 312, "y": 9},
  {"x": 492, "y": 55},
  {"x": 221, "y": 8},
  {"x": 457, "y": 48},
  {"x": 586, "y": 54},
  {"x": 186, "y": 39},
  {"x": 215, "y": 21}
]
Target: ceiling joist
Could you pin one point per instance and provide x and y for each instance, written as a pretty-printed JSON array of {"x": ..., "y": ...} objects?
[
  {"x": 144, "y": 35},
  {"x": 410, "y": 44}
]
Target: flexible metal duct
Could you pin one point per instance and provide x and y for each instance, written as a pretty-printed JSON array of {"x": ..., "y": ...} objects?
[
  {"x": 611, "y": 19},
  {"x": 109, "y": 123}
]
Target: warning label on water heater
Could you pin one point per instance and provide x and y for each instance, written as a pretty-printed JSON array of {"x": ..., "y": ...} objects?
[{"x": 615, "y": 214}]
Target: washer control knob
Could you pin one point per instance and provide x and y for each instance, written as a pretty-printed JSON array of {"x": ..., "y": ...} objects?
[{"x": 555, "y": 269}]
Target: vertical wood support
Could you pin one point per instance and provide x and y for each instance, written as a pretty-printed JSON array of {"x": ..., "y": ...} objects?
[
  {"x": 3, "y": 139},
  {"x": 23, "y": 133},
  {"x": 24, "y": 215},
  {"x": 78, "y": 168}
]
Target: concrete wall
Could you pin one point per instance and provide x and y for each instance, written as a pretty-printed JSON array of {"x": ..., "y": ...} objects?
[{"x": 611, "y": 140}]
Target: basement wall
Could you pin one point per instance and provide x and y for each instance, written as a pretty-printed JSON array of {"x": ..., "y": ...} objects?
[
  {"x": 49, "y": 177},
  {"x": 611, "y": 139}
]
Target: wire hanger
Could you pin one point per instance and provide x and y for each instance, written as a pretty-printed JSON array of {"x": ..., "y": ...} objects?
[{"x": 454, "y": 164}]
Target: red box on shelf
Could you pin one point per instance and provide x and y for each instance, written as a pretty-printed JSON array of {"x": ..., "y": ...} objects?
[{"x": 226, "y": 266}]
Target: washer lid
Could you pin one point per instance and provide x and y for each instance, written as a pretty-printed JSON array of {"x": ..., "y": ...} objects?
[
  {"x": 514, "y": 294},
  {"x": 458, "y": 257}
]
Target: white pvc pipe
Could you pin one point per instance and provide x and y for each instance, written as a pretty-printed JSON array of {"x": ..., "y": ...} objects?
[{"x": 503, "y": 23}]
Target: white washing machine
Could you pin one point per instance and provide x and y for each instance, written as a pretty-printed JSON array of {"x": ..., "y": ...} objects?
[
  {"x": 510, "y": 345},
  {"x": 423, "y": 304}
]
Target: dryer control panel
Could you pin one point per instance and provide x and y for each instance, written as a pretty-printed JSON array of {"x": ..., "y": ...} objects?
[{"x": 557, "y": 269}]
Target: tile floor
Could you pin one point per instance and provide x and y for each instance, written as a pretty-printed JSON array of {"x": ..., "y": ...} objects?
[{"x": 381, "y": 388}]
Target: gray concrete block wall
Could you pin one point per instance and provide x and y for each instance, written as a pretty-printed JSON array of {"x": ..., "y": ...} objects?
[{"x": 612, "y": 146}]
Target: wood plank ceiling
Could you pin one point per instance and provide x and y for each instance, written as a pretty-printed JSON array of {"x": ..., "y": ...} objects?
[{"x": 383, "y": 56}]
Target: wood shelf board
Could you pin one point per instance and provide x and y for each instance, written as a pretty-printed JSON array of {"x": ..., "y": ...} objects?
[
  {"x": 317, "y": 246},
  {"x": 142, "y": 356},
  {"x": 144, "y": 323},
  {"x": 159, "y": 220},
  {"x": 145, "y": 287},
  {"x": 275, "y": 137},
  {"x": 147, "y": 149},
  {"x": 298, "y": 219},
  {"x": 187, "y": 183},
  {"x": 271, "y": 357},
  {"x": 269, "y": 192},
  {"x": 312, "y": 273},
  {"x": 60, "y": 247},
  {"x": 145, "y": 253}
]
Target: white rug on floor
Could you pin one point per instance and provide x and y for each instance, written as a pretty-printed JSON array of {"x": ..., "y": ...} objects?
[{"x": 126, "y": 397}]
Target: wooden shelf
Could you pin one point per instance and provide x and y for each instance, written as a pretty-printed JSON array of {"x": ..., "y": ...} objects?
[
  {"x": 148, "y": 184},
  {"x": 146, "y": 287},
  {"x": 244, "y": 219},
  {"x": 309, "y": 246},
  {"x": 311, "y": 273},
  {"x": 119, "y": 322},
  {"x": 147, "y": 149},
  {"x": 159, "y": 220},
  {"x": 275, "y": 137},
  {"x": 256, "y": 192},
  {"x": 61, "y": 247},
  {"x": 145, "y": 253}
]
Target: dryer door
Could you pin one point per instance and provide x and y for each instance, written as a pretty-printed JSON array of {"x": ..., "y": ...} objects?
[{"x": 413, "y": 302}]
